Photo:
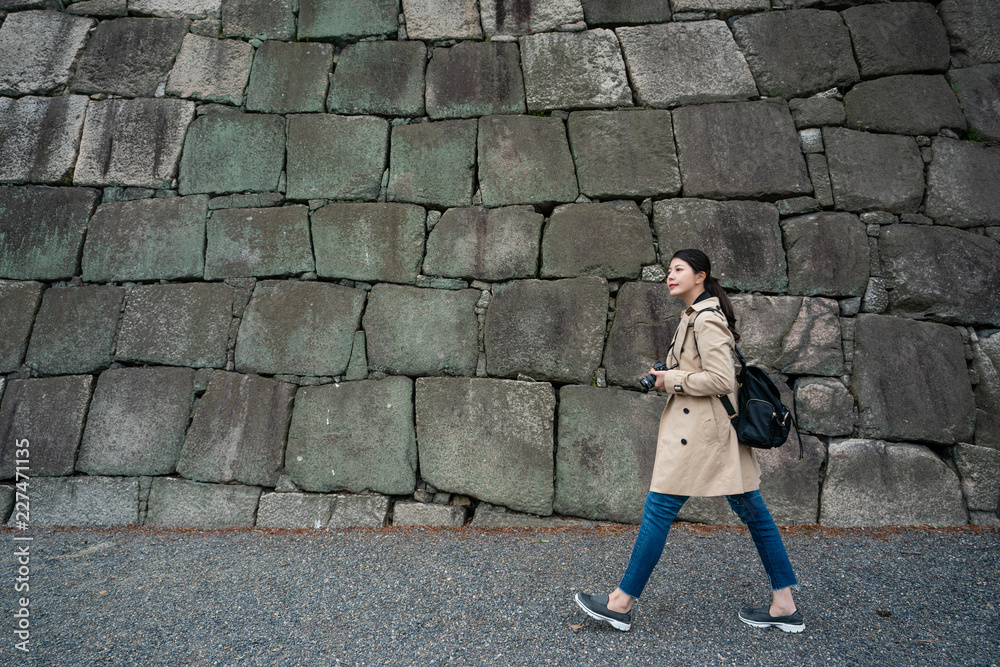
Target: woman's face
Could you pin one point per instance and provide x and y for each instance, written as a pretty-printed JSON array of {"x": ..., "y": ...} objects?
[{"x": 683, "y": 282}]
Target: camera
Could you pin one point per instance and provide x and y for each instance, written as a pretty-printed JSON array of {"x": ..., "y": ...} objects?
[{"x": 649, "y": 381}]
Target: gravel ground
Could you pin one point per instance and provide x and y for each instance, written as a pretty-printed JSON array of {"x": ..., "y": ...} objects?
[{"x": 407, "y": 596}]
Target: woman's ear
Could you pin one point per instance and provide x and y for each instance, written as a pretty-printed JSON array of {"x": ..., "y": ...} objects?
[{"x": 700, "y": 278}]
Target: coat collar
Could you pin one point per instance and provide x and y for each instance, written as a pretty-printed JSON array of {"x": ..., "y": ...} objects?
[{"x": 702, "y": 304}]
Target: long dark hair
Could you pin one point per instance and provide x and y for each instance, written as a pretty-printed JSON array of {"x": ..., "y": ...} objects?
[{"x": 699, "y": 262}]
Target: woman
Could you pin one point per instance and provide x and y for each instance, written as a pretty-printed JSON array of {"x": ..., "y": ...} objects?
[{"x": 697, "y": 453}]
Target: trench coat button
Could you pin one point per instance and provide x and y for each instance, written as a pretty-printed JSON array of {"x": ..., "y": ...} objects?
[
  {"x": 684, "y": 441},
  {"x": 686, "y": 411}
]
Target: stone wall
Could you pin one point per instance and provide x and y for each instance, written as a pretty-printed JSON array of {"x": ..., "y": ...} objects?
[{"x": 324, "y": 263}]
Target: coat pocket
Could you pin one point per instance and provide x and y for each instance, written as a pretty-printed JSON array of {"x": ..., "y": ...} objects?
[{"x": 722, "y": 424}]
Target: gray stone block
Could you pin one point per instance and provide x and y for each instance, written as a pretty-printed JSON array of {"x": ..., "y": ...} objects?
[
  {"x": 137, "y": 421},
  {"x": 712, "y": 510},
  {"x": 414, "y": 331},
  {"x": 627, "y": 153},
  {"x": 397, "y": 90},
  {"x": 723, "y": 8},
  {"x": 796, "y": 52},
  {"x": 979, "y": 469},
  {"x": 645, "y": 319},
  {"x": 294, "y": 510},
  {"x": 210, "y": 69},
  {"x": 37, "y": 51},
  {"x": 625, "y": 12},
  {"x": 42, "y": 231},
  {"x": 489, "y": 439},
  {"x": 915, "y": 256},
  {"x": 742, "y": 238},
  {"x": 897, "y": 37},
  {"x": 819, "y": 174},
  {"x": 685, "y": 63},
  {"x": 371, "y": 242},
  {"x": 971, "y": 26},
  {"x": 245, "y": 242},
  {"x": 611, "y": 239},
  {"x": 604, "y": 460},
  {"x": 102, "y": 8},
  {"x": 129, "y": 56},
  {"x": 986, "y": 364},
  {"x": 746, "y": 149},
  {"x": 354, "y": 436},
  {"x": 873, "y": 483},
  {"x": 823, "y": 406},
  {"x": 961, "y": 184},
  {"x": 906, "y": 104},
  {"x": 185, "y": 324},
  {"x": 580, "y": 70},
  {"x": 289, "y": 77},
  {"x": 146, "y": 239},
  {"x": 442, "y": 19},
  {"x": 489, "y": 516},
  {"x": 6, "y": 502},
  {"x": 978, "y": 90},
  {"x": 39, "y": 138},
  {"x": 49, "y": 414},
  {"x": 233, "y": 152},
  {"x": 343, "y": 20},
  {"x": 259, "y": 19},
  {"x": 790, "y": 334},
  {"x": 336, "y": 157},
  {"x": 357, "y": 369},
  {"x": 422, "y": 514},
  {"x": 359, "y": 511},
  {"x": 475, "y": 79},
  {"x": 19, "y": 302},
  {"x": 827, "y": 254},
  {"x": 485, "y": 244},
  {"x": 911, "y": 381},
  {"x": 74, "y": 330},
  {"x": 790, "y": 485},
  {"x": 513, "y": 17},
  {"x": 433, "y": 163},
  {"x": 314, "y": 321},
  {"x": 816, "y": 112},
  {"x": 190, "y": 9},
  {"x": 84, "y": 501},
  {"x": 874, "y": 171},
  {"x": 183, "y": 504},
  {"x": 525, "y": 160},
  {"x": 548, "y": 330},
  {"x": 237, "y": 431}
]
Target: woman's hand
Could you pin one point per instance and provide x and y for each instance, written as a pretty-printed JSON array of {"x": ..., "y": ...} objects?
[{"x": 660, "y": 382}]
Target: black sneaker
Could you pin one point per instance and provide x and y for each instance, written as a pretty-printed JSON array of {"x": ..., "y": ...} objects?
[
  {"x": 596, "y": 606},
  {"x": 760, "y": 617}
]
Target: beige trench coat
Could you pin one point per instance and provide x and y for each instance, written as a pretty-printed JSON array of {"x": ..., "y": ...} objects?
[{"x": 697, "y": 453}]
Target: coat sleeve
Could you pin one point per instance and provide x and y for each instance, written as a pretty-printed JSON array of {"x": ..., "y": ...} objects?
[{"x": 718, "y": 374}]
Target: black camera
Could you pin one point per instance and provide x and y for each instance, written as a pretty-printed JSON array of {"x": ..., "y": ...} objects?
[{"x": 649, "y": 381}]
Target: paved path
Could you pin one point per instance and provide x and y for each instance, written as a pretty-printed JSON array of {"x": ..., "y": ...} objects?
[{"x": 489, "y": 597}]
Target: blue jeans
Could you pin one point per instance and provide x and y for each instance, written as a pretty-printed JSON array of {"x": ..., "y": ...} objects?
[{"x": 659, "y": 513}]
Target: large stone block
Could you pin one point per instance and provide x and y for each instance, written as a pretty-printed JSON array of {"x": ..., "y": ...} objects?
[
  {"x": 490, "y": 439},
  {"x": 671, "y": 64},
  {"x": 294, "y": 510},
  {"x": 343, "y": 20},
  {"x": 978, "y": 90},
  {"x": 525, "y": 160},
  {"x": 433, "y": 163},
  {"x": 485, "y": 244},
  {"x": 582, "y": 70},
  {"x": 129, "y": 56},
  {"x": 475, "y": 79},
  {"x": 74, "y": 330},
  {"x": 365, "y": 510},
  {"x": 299, "y": 328},
  {"x": 823, "y": 406},
  {"x": 911, "y": 381},
  {"x": 37, "y": 51},
  {"x": 336, "y": 157},
  {"x": 914, "y": 257},
  {"x": 237, "y": 431},
  {"x": 189, "y": 9},
  {"x": 611, "y": 239},
  {"x": 645, "y": 319},
  {"x": 625, "y": 12},
  {"x": 289, "y": 77},
  {"x": 233, "y": 152},
  {"x": 796, "y": 53},
  {"x": 397, "y": 90},
  {"x": 873, "y": 483},
  {"x": 513, "y": 17},
  {"x": 354, "y": 436},
  {"x": 245, "y": 242},
  {"x": 414, "y": 331},
  {"x": 905, "y": 104},
  {"x": 986, "y": 363},
  {"x": 827, "y": 254},
  {"x": 627, "y": 153},
  {"x": 372, "y": 242},
  {"x": 790, "y": 485},
  {"x": 746, "y": 149},
  {"x": 185, "y": 324},
  {"x": 971, "y": 26},
  {"x": 800, "y": 336},
  {"x": 84, "y": 501},
  {"x": 19, "y": 302},
  {"x": 816, "y": 111},
  {"x": 442, "y": 19},
  {"x": 874, "y": 171},
  {"x": 742, "y": 238},
  {"x": 897, "y": 37},
  {"x": 604, "y": 460},
  {"x": 39, "y": 138},
  {"x": 979, "y": 468},
  {"x": 259, "y": 19},
  {"x": 961, "y": 184},
  {"x": 146, "y": 239},
  {"x": 211, "y": 69},
  {"x": 137, "y": 421},
  {"x": 422, "y": 514},
  {"x": 49, "y": 414},
  {"x": 548, "y": 330},
  {"x": 101, "y": 8},
  {"x": 42, "y": 230},
  {"x": 183, "y": 504}
]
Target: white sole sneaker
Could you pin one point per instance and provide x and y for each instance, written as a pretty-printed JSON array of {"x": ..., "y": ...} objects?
[
  {"x": 759, "y": 618},
  {"x": 616, "y": 623}
]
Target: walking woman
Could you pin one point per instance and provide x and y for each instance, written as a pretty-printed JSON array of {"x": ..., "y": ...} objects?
[{"x": 697, "y": 453}]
